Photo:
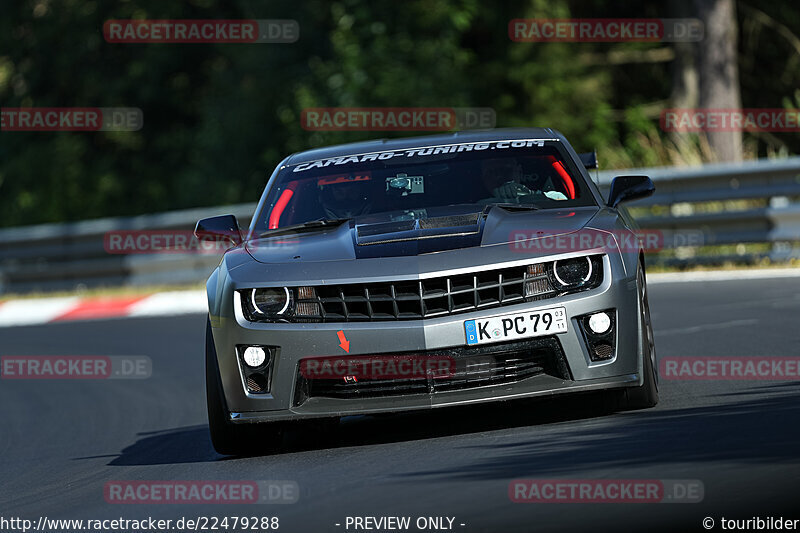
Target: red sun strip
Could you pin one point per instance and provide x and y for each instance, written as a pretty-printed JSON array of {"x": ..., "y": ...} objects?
[
  {"x": 559, "y": 167},
  {"x": 280, "y": 205}
]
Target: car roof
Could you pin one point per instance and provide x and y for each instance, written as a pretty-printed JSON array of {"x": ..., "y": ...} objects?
[{"x": 380, "y": 145}]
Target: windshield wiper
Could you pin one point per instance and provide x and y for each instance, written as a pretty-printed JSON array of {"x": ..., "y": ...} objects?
[{"x": 310, "y": 225}]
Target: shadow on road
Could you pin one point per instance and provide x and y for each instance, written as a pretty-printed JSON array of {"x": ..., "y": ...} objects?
[
  {"x": 716, "y": 433},
  {"x": 731, "y": 431},
  {"x": 183, "y": 445}
]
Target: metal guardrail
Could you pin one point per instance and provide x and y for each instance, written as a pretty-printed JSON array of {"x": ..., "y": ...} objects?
[
  {"x": 65, "y": 256},
  {"x": 51, "y": 257},
  {"x": 775, "y": 182}
]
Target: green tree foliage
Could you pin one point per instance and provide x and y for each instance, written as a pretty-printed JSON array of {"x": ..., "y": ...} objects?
[{"x": 218, "y": 117}]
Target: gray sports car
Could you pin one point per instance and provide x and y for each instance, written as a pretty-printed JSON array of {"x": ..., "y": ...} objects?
[{"x": 394, "y": 275}]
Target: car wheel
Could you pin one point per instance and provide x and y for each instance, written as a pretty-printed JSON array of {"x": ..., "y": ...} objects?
[
  {"x": 229, "y": 438},
  {"x": 645, "y": 395}
]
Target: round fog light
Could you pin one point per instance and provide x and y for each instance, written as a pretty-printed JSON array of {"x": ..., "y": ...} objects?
[
  {"x": 599, "y": 323},
  {"x": 254, "y": 356}
]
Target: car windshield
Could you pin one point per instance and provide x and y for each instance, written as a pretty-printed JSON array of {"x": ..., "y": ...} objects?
[{"x": 409, "y": 182}]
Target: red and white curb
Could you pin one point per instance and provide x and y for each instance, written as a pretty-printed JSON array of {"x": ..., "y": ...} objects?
[{"x": 33, "y": 311}]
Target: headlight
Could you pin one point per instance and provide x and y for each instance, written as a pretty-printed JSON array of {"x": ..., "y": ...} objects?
[
  {"x": 254, "y": 356},
  {"x": 267, "y": 303},
  {"x": 573, "y": 273},
  {"x": 565, "y": 276},
  {"x": 599, "y": 323},
  {"x": 270, "y": 301}
]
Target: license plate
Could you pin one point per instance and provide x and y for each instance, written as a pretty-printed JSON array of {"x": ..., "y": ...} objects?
[{"x": 518, "y": 326}]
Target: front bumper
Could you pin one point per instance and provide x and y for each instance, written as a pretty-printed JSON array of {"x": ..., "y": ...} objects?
[{"x": 299, "y": 341}]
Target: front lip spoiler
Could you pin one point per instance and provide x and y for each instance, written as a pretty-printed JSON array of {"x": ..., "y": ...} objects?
[{"x": 628, "y": 380}]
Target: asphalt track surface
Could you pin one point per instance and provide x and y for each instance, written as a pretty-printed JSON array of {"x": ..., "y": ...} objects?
[{"x": 62, "y": 440}]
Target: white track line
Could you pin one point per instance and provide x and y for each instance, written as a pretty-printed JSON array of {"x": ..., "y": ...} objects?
[
  {"x": 171, "y": 303},
  {"x": 35, "y": 310},
  {"x": 723, "y": 275}
]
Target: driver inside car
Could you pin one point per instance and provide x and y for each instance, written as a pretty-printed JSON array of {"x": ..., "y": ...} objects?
[
  {"x": 345, "y": 200},
  {"x": 503, "y": 178}
]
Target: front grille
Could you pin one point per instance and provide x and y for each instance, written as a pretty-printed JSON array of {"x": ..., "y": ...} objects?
[
  {"x": 408, "y": 300},
  {"x": 428, "y": 298},
  {"x": 473, "y": 367}
]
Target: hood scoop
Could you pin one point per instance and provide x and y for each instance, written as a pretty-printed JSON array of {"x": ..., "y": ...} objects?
[{"x": 425, "y": 228}]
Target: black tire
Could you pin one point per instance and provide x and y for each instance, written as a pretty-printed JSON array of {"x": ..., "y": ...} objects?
[
  {"x": 229, "y": 438},
  {"x": 645, "y": 395}
]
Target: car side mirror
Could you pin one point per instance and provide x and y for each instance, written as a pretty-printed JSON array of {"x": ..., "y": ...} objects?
[
  {"x": 219, "y": 228},
  {"x": 626, "y": 188}
]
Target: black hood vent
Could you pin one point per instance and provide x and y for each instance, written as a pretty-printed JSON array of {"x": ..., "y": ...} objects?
[
  {"x": 452, "y": 221},
  {"x": 412, "y": 237},
  {"x": 382, "y": 228}
]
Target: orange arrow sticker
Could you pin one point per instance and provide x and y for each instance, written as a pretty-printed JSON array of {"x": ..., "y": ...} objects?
[{"x": 343, "y": 342}]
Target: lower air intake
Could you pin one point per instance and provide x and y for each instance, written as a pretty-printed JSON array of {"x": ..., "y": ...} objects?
[{"x": 473, "y": 367}]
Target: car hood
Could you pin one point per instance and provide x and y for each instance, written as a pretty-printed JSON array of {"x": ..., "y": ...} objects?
[{"x": 373, "y": 237}]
